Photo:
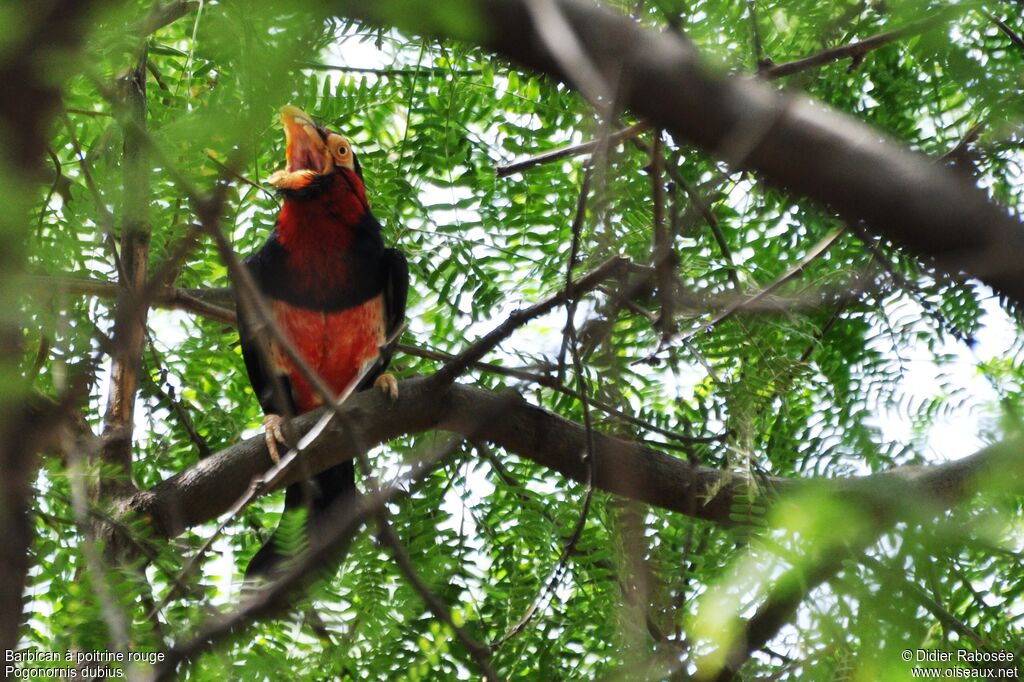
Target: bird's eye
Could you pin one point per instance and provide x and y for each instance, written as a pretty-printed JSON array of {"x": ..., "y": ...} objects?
[{"x": 341, "y": 150}]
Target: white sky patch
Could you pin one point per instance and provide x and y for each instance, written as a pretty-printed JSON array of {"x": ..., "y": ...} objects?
[{"x": 953, "y": 435}]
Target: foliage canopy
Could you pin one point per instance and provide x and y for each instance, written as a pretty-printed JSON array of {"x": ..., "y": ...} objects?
[{"x": 863, "y": 359}]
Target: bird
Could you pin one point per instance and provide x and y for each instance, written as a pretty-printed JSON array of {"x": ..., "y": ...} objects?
[{"x": 334, "y": 290}]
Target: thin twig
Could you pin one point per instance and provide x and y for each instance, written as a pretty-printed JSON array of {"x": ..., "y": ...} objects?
[
  {"x": 578, "y": 221},
  {"x": 477, "y": 651},
  {"x": 168, "y": 396},
  {"x": 760, "y": 62},
  {"x": 87, "y": 112},
  {"x": 567, "y": 152},
  {"x": 912, "y": 288},
  {"x": 662, "y": 255},
  {"x": 183, "y": 300},
  {"x": 858, "y": 49},
  {"x": 239, "y": 176},
  {"x": 344, "y": 68},
  {"x": 942, "y": 614},
  {"x": 57, "y": 177},
  {"x": 588, "y": 457},
  {"x": 518, "y": 318},
  {"x": 1009, "y": 32},
  {"x": 816, "y": 252},
  {"x": 553, "y": 383},
  {"x": 703, "y": 205}
]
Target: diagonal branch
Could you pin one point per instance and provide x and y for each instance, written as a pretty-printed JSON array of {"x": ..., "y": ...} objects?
[
  {"x": 817, "y": 251},
  {"x": 805, "y": 147},
  {"x": 588, "y": 147},
  {"x": 1007, "y": 31},
  {"x": 860, "y": 48},
  {"x": 479, "y": 348},
  {"x": 345, "y": 521}
]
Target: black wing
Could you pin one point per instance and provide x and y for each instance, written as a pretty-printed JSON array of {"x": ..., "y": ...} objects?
[
  {"x": 261, "y": 374},
  {"x": 395, "y": 282},
  {"x": 396, "y": 288}
]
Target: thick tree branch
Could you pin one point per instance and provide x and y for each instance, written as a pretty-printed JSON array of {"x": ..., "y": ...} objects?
[
  {"x": 207, "y": 489},
  {"x": 793, "y": 141},
  {"x": 218, "y": 304}
]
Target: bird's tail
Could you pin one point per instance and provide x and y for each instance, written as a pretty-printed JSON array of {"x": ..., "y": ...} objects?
[{"x": 331, "y": 489}]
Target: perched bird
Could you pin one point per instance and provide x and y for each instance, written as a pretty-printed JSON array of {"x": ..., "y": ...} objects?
[{"x": 335, "y": 292}]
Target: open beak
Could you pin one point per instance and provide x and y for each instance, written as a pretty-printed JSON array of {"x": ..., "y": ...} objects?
[{"x": 305, "y": 149}]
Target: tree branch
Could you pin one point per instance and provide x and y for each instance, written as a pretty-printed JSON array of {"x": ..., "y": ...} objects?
[
  {"x": 130, "y": 322},
  {"x": 346, "y": 517},
  {"x": 1007, "y": 31},
  {"x": 912, "y": 494},
  {"x": 794, "y": 142},
  {"x": 568, "y": 152},
  {"x": 215, "y": 303},
  {"x": 207, "y": 489},
  {"x": 479, "y": 348},
  {"x": 858, "y": 49},
  {"x": 164, "y": 15},
  {"x": 817, "y": 251}
]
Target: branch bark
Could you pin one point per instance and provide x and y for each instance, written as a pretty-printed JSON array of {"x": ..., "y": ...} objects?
[
  {"x": 130, "y": 322},
  {"x": 793, "y": 141},
  {"x": 632, "y": 470}
]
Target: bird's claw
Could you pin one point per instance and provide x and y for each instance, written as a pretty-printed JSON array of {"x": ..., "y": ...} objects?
[
  {"x": 388, "y": 384},
  {"x": 274, "y": 434}
]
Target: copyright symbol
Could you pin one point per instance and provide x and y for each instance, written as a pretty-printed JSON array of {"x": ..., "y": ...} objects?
[{"x": 907, "y": 655}]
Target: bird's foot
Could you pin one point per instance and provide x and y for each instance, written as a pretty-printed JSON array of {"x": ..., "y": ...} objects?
[
  {"x": 274, "y": 434},
  {"x": 388, "y": 384}
]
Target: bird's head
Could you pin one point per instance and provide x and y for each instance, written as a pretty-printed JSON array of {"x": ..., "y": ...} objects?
[{"x": 317, "y": 159}]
